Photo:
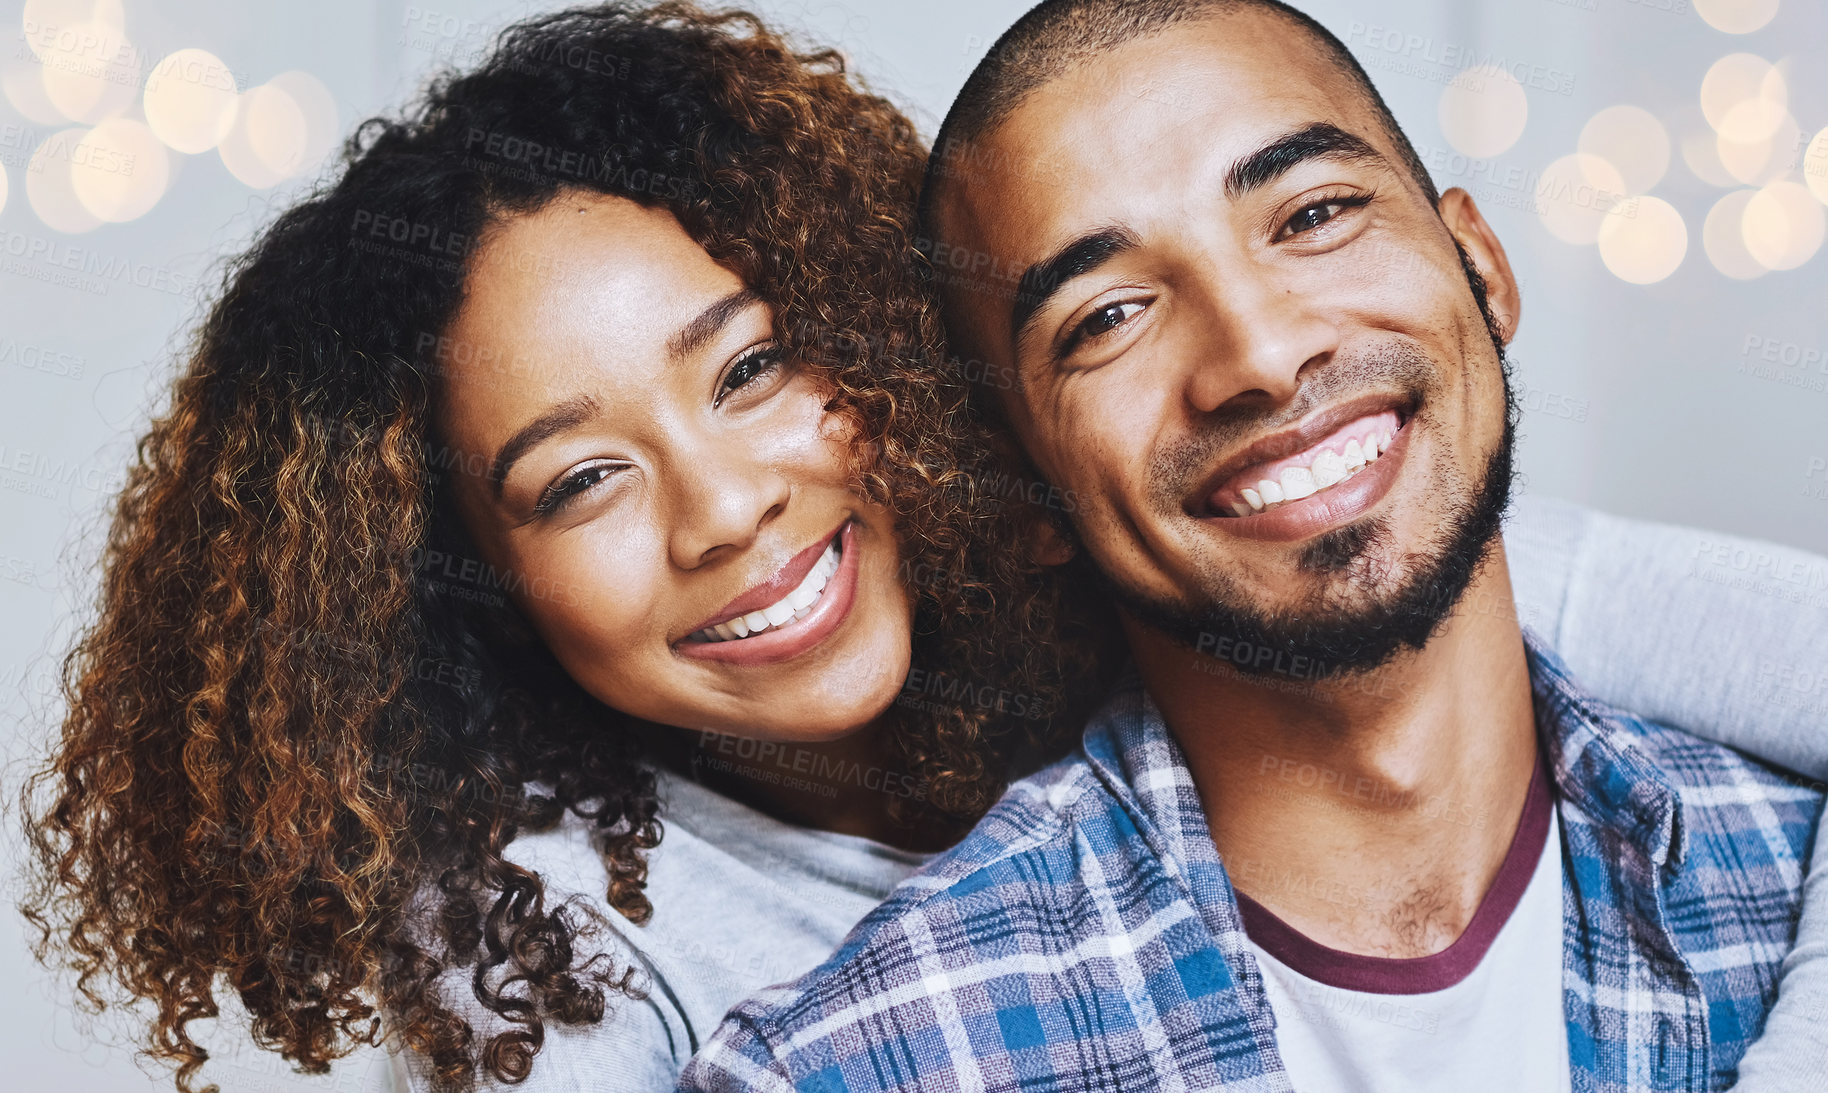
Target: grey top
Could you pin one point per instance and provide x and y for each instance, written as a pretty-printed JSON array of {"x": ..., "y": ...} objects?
[
  {"x": 741, "y": 901},
  {"x": 1715, "y": 634}
]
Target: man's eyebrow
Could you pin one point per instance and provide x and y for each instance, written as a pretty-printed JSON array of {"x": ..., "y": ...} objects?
[
  {"x": 1042, "y": 280},
  {"x": 702, "y": 329},
  {"x": 568, "y": 414},
  {"x": 1282, "y": 155}
]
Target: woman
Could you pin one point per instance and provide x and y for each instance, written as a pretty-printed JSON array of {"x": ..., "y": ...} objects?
[{"x": 582, "y": 458}]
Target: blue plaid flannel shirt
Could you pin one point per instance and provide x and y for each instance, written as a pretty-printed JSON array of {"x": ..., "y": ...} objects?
[{"x": 1085, "y": 935}]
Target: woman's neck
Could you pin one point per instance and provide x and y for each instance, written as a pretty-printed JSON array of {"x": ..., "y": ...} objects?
[{"x": 855, "y": 785}]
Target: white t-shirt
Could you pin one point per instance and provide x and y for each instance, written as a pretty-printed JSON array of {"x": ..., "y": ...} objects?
[
  {"x": 741, "y": 902},
  {"x": 1486, "y": 1013}
]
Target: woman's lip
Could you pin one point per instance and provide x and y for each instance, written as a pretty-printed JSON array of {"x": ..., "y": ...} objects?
[
  {"x": 1294, "y": 521},
  {"x": 778, "y": 643},
  {"x": 770, "y": 591}
]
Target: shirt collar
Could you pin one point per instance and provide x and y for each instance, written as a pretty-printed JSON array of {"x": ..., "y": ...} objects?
[
  {"x": 1592, "y": 753},
  {"x": 1598, "y": 766}
]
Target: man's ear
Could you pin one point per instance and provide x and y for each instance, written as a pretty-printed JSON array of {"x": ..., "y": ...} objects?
[{"x": 1471, "y": 231}]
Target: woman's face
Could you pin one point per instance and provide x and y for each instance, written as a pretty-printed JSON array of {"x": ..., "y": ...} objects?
[{"x": 670, "y": 502}]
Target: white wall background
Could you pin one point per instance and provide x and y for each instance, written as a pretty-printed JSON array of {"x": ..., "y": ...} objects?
[{"x": 1655, "y": 400}]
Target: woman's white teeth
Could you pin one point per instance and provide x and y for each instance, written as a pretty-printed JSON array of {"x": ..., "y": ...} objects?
[
  {"x": 1328, "y": 468},
  {"x": 795, "y": 605}
]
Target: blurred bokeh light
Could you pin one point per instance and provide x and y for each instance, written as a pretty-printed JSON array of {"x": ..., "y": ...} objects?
[
  {"x": 120, "y": 170},
  {"x": 1723, "y": 238},
  {"x": 1632, "y": 141},
  {"x": 1737, "y": 16},
  {"x": 190, "y": 100},
  {"x": 1483, "y": 111},
  {"x": 49, "y": 187},
  {"x": 1643, "y": 241}
]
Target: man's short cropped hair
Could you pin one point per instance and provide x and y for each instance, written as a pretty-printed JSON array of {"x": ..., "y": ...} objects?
[{"x": 1056, "y": 35}]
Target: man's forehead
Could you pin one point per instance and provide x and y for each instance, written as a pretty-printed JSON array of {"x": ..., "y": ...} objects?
[{"x": 1193, "y": 97}]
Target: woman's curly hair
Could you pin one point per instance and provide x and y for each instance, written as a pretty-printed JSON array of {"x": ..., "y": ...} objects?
[{"x": 259, "y": 784}]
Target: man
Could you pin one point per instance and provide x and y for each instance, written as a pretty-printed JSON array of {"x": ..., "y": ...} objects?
[{"x": 1343, "y": 830}]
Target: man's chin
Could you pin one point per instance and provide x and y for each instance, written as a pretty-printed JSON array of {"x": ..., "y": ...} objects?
[{"x": 1359, "y": 595}]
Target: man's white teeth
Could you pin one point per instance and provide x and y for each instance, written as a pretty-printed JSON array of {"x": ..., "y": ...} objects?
[
  {"x": 1298, "y": 482},
  {"x": 1328, "y": 468},
  {"x": 795, "y": 605}
]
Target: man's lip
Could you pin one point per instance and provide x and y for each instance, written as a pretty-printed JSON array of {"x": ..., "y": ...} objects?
[
  {"x": 785, "y": 580},
  {"x": 1295, "y": 439}
]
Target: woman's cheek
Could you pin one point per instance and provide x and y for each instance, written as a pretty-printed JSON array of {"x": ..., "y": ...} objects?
[{"x": 599, "y": 593}]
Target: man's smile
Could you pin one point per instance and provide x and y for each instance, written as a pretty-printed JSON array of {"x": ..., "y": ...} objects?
[{"x": 1313, "y": 476}]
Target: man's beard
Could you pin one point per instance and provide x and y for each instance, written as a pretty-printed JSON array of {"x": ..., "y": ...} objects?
[{"x": 1360, "y": 620}]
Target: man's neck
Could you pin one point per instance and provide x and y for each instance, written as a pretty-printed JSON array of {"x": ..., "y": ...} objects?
[{"x": 1370, "y": 811}]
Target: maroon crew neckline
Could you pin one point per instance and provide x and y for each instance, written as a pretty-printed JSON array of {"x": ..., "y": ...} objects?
[{"x": 1421, "y": 974}]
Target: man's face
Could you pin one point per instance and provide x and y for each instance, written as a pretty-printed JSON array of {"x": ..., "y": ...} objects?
[{"x": 1246, "y": 342}]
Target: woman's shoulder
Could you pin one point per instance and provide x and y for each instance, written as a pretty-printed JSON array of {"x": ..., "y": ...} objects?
[{"x": 740, "y": 901}]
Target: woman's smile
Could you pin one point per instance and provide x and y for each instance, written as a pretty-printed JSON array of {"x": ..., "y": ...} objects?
[{"x": 821, "y": 583}]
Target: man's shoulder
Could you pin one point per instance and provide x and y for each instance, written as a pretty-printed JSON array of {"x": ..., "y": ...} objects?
[
  {"x": 1615, "y": 754},
  {"x": 1747, "y": 823},
  {"x": 1717, "y": 781}
]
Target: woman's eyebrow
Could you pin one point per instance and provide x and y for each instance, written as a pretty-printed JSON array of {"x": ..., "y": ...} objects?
[
  {"x": 568, "y": 414},
  {"x": 702, "y": 329}
]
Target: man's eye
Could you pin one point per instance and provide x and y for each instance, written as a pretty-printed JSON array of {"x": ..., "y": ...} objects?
[
  {"x": 568, "y": 488},
  {"x": 1104, "y": 320},
  {"x": 1319, "y": 213},
  {"x": 749, "y": 367}
]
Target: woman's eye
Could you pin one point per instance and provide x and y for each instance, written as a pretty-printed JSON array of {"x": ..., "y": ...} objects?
[
  {"x": 749, "y": 367},
  {"x": 1104, "y": 320},
  {"x": 568, "y": 488}
]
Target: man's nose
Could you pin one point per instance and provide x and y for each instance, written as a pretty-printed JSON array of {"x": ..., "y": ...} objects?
[{"x": 1255, "y": 336}]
